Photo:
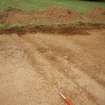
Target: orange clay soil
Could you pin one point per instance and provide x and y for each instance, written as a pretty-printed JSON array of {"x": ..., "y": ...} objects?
[
  {"x": 97, "y": 15},
  {"x": 50, "y": 15}
]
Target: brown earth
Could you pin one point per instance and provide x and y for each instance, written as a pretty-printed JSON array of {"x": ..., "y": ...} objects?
[
  {"x": 50, "y": 15},
  {"x": 33, "y": 66},
  {"x": 67, "y": 29},
  {"x": 97, "y": 15}
]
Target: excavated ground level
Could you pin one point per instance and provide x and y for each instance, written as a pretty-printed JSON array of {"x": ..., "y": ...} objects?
[{"x": 33, "y": 66}]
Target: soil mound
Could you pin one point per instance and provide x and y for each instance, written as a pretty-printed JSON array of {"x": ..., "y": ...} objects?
[
  {"x": 97, "y": 15},
  {"x": 58, "y": 13},
  {"x": 14, "y": 16},
  {"x": 50, "y": 15}
]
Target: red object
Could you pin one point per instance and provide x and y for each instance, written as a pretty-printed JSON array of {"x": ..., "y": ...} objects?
[{"x": 67, "y": 101}]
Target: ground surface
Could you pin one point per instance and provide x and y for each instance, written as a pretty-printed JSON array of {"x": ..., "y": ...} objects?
[
  {"x": 33, "y": 66},
  {"x": 52, "y": 16}
]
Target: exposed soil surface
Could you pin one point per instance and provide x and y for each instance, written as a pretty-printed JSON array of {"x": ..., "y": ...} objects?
[
  {"x": 97, "y": 15},
  {"x": 33, "y": 66},
  {"x": 68, "y": 29},
  {"x": 43, "y": 56},
  {"x": 52, "y": 15}
]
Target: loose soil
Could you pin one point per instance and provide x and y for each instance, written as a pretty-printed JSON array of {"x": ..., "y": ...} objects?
[
  {"x": 52, "y": 15},
  {"x": 97, "y": 15},
  {"x": 37, "y": 60},
  {"x": 66, "y": 29},
  {"x": 33, "y": 66}
]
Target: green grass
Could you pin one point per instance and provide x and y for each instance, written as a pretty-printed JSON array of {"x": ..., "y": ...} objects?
[{"x": 80, "y": 6}]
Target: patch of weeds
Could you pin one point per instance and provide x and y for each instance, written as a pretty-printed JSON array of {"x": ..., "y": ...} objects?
[
  {"x": 4, "y": 26},
  {"x": 9, "y": 26}
]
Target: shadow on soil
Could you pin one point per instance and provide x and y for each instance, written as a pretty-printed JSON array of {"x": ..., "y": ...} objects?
[{"x": 55, "y": 29}]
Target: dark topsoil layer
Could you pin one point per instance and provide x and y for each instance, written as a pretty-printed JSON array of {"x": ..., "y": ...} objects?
[
  {"x": 82, "y": 29},
  {"x": 57, "y": 20}
]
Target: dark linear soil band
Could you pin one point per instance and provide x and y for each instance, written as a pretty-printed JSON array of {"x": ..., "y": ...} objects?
[{"x": 59, "y": 29}]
